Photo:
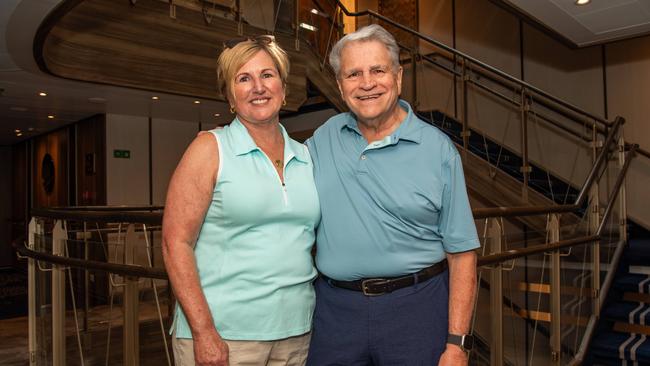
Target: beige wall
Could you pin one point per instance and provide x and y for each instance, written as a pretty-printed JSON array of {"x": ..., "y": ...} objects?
[{"x": 492, "y": 35}]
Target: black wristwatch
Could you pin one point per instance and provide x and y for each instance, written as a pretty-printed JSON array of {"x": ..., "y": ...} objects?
[{"x": 464, "y": 341}]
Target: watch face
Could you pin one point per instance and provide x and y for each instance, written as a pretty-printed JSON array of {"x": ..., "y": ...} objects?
[{"x": 468, "y": 342}]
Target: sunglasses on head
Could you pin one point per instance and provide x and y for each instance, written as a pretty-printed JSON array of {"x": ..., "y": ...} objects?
[{"x": 263, "y": 39}]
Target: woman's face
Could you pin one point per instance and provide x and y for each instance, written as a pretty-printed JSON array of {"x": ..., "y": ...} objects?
[{"x": 257, "y": 90}]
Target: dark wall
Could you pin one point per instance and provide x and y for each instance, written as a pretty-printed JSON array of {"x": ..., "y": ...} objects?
[
  {"x": 6, "y": 257},
  {"x": 91, "y": 161}
]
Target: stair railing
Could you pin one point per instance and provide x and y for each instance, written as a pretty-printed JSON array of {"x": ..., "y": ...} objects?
[{"x": 463, "y": 66}]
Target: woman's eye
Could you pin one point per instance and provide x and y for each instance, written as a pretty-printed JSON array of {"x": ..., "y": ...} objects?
[
  {"x": 267, "y": 75},
  {"x": 243, "y": 79}
]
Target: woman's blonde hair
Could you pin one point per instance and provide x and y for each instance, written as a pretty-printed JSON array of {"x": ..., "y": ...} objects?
[{"x": 239, "y": 53}]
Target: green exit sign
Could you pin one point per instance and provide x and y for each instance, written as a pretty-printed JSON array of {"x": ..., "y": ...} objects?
[{"x": 122, "y": 154}]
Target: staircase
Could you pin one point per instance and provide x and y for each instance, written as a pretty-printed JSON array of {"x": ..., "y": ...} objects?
[{"x": 624, "y": 330}]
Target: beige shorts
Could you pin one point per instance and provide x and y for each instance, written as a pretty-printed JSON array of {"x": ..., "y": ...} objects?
[{"x": 290, "y": 351}]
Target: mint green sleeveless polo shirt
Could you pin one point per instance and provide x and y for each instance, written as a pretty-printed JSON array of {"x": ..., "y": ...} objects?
[{"x": 253, "y": 253}]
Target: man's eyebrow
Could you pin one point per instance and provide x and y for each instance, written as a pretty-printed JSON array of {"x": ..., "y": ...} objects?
[{"x": 378, "y": 67}]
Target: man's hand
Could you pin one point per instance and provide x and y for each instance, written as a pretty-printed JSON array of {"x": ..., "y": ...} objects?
[
  {"x": 210, "y": 350},
  {"x": 453, "y": 356}
]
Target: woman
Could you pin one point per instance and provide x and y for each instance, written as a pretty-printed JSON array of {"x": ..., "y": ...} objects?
[{"x": 239, "y": 225}]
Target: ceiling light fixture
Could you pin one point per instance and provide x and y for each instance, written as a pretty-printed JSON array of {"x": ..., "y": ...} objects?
[
  {"x": 308, "y": 27},
  {"x": 155, "y": 98},
  {"x": 217, "y": 114},
  {"x": 42, "y": 94},
  {"x": 19, "y": 134},
  {"x": 30, "y": 129},
  {"x": 582, "y": 2},
  {"x": 17, "y": 131},
  {"x": 197, "y": 102},
  {"x": 50, "y": 116}
]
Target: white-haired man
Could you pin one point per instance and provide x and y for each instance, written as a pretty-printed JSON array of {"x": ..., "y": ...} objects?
[{"x": 396, "y": 239}]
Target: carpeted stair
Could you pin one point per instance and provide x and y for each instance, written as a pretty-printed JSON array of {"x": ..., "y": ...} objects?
[{"x": 623, "y": 335}]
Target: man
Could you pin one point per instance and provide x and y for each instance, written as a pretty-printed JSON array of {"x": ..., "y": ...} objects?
[{"x": 395, "y": 212}]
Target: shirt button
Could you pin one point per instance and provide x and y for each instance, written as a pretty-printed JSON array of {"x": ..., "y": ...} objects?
[{"x": 363, "y": 157}]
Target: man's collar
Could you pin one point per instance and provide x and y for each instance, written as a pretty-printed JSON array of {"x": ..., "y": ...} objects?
[{"x": 407, "y": 129}]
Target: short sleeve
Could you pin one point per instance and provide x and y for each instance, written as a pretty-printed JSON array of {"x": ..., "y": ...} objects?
[{"x": 456, "y": 221}]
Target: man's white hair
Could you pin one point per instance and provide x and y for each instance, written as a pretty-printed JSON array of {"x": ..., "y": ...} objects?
[{"x": 373, "y": 32}]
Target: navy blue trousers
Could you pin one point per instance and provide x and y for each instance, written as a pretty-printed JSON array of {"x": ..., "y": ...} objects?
[{"x": 406, "y": 327}]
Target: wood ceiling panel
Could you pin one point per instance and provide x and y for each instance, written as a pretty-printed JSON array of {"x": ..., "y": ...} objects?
[{"x": 112, "y": 42}]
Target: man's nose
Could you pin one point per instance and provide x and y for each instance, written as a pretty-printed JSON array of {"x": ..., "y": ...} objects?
[{"x": 367, "y": 81}]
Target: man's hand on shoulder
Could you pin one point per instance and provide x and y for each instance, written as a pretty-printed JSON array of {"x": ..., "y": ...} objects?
[{"x": 453, "y": 356}]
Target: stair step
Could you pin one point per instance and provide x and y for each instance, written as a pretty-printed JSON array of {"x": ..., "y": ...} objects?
[
  {"x": 638, "y": 252},
  {"x": 631, "y": 328},
  {"x": 628, "y": 312},
  {"x": 609, "y": 348},
  {"x": 637, "y": 297},
  {"x": 630, "y": 283}
]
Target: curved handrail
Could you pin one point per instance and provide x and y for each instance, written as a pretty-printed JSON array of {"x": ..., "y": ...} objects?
[
  {"x": 101, "y": 214},
  {"x": 91, "y": 265}
]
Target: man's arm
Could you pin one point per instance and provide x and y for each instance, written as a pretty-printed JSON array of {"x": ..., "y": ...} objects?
[
  {"x": 462, "y": 291},
  {"x": 188, "y": 198}
]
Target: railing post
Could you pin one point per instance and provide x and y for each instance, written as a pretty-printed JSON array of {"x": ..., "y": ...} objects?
[
  {"x": 525, "y": 168},
  {"x": 594, "y": 223},
  {"x": 464, "y": 79},
  {"x": 496, "y": 295},
  {"x": 34, "y": 228},
  {"x": 59, "y": 236},
  {"x": 414, "y": 79},
  {"x": 130, "y": 304},
  {"x": 556, "y": 330},
  {"x": 296, "y": 8},
  {"x": 622, "y": 199}
]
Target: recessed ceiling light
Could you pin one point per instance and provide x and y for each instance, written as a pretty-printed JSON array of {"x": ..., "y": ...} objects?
[
  {"x": 30, "y": 129},
  {"x": 217, "y": 114},
  {"x": 51, "y": 116},
  {"x": 582, "y": 2},
  {"x": 197, "y": 102},
  {"x": 308, "y": 27},
  {"x": 42, "y": 94},
  {"x": 97, "y": 100},
  {"x": 155, "y": 98},
  {"x": 17, "y": 131},
  {"x": 19, "y": 134},
  {"x": 18, "y": 109}
]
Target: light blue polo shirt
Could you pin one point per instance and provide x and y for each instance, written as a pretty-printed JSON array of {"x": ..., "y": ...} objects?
[
  {"x": 253, "y": 253},
  {"x": 391, "y": 207}
]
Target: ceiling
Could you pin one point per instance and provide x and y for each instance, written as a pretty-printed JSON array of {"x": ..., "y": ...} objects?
[
  {"x": 67, "y": 101},
  {"x": 597, "y": 22}
]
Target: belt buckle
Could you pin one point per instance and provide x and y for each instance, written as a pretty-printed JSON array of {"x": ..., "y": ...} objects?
[{"x": 373, "y": 281}]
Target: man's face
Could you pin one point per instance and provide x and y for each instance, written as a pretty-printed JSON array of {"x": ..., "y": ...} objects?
[{"x": 368, "y": 84}]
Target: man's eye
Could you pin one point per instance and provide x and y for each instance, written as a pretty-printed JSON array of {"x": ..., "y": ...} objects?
[
  {"x": 355, "y": 74},
  {"x": 378, "y": 71}
]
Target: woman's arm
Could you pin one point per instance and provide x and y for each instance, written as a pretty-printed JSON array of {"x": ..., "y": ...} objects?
[{"x": 188, "y": 198}]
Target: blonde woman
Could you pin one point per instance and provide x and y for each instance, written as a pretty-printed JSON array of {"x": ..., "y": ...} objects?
[{"x": 239, "y": 225}]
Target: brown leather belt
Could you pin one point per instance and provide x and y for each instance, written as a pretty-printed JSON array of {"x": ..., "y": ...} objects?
[{"x": 381, "y": 286}]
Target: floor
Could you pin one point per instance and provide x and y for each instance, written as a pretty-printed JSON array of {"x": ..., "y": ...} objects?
[{"x": 14, "y": 338}]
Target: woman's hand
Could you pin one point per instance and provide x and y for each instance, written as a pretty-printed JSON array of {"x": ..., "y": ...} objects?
[{"x": 210, "y": 350}]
